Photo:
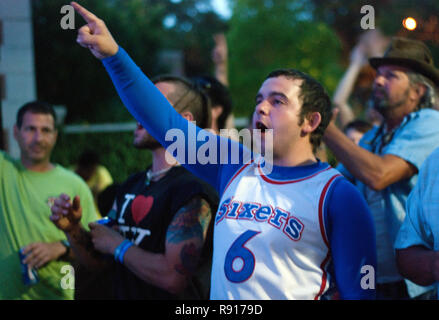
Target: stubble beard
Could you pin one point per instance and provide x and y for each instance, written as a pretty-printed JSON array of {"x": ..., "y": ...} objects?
[
  {"x": 148, "y": 143},
  {"x": 384, "y": 106}
]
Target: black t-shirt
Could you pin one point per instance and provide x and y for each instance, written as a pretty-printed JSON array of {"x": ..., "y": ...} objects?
[{"x": 143, "y": 216}]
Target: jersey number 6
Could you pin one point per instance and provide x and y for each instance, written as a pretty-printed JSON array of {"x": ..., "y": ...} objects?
[{"x": 239, "y": 251}]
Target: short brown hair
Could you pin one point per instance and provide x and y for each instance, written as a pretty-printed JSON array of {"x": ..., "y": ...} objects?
[
  {"x": 35, "y": 107},
  {"x": 314, "y": 99}
]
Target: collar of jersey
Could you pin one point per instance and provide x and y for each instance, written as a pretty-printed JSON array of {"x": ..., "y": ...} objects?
[{"x": 291, "y": 174}]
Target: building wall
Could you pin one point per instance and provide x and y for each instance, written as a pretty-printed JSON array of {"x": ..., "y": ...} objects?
[{"x": 16, "y": 63}]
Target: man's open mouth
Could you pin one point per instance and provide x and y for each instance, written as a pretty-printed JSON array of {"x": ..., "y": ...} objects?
[{"x": 261, "y": 126}]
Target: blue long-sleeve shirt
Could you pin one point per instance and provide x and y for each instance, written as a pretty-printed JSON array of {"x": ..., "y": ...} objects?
[{"x": 348, "y": 222}]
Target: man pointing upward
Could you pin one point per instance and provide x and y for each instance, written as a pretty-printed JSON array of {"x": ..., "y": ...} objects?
[{"x": 287, "y": 234}]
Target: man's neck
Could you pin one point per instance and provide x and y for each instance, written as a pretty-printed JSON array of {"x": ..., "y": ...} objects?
[
  {"x": 37, "y": 167},
  {"x": 159, "y": 160},
  {"x": 294, "y": 163},
  {"x": 299, "y": 157},
  {"x": 393, "y": 122},
  {"x": 394, "y": 118}
]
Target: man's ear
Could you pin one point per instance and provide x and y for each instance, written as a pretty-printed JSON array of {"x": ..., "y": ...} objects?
[
  {"x": 188, "y": 115},
  {"x": 312, "y": 121},
  {"x": 216, "y": 112},
  {"x": 16, "y": 130},
  {"x": 56, "y": 134},
  {"x": 419, "y": 90}
]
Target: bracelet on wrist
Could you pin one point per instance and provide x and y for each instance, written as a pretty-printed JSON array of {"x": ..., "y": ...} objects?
[
  {"x": 121, "y": 249},
  {"x": 65, "y": 255}
]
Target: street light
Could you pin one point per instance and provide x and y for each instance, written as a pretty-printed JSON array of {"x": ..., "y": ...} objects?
[{"x": 409, "y": 23}]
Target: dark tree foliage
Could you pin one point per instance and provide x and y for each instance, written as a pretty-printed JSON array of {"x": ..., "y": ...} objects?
[
  {"x": 267, "y": 35},
  {"x": 344, "y": 17},
  {"x": 68, "y": 74}
]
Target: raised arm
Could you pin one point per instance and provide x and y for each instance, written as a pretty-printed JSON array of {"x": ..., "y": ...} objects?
[
  {"x": 376, "y": 171},
  {"x": 346, "y": 86},
  {"x": 146, "y": 103},
  {"x": 371, "y": 43},
  {"x": 95, "y": 35},
  {"x": 399, "y": 160},
  {"x": 220, "y": 58}
]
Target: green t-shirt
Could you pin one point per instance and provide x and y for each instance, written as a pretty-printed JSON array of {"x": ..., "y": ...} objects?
[{"x": 25, "y": 199}]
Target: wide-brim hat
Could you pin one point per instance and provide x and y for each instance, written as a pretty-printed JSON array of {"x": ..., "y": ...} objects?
[{"x": 412, "y": 54}]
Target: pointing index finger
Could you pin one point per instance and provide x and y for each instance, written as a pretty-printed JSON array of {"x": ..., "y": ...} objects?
[{"x": 87, "y": 15}]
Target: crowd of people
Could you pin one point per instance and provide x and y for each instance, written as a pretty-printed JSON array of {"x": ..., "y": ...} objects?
[{"x": 288, "y": 226}]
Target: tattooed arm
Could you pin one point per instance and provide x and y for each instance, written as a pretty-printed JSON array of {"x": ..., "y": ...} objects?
[{"x": 184, "y": 242}]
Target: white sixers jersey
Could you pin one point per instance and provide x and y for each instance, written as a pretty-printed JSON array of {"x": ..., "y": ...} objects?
[{"x": 269, "y": 238}]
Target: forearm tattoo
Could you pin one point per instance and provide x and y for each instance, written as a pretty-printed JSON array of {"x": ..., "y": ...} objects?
[
  {"x": 190, "y": 223},
  {"x": 189, "y": 256}
]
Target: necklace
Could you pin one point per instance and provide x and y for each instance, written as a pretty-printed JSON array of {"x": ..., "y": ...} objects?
[{"x": 152, "y": 175}]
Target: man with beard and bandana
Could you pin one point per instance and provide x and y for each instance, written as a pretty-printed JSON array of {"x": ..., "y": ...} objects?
[
  {"x": 163, "y": 214},
  {"x": 28, "y": 187},
  {"x": 385, "y": 166}
]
